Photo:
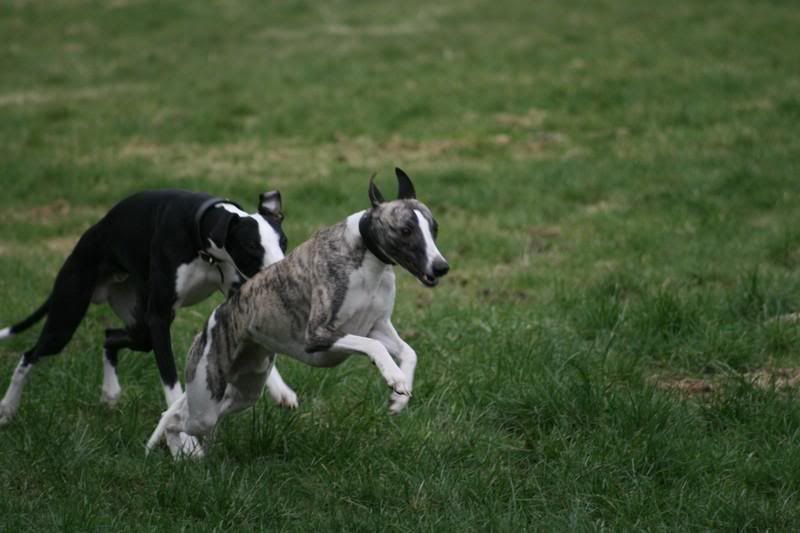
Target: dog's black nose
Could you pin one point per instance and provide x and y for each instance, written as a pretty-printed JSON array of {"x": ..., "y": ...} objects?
[{"x": 440, "y": 268}]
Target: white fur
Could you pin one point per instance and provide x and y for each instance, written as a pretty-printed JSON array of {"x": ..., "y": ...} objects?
[
  {"x": 197, "y": 412},
  {"x": 270, "y": 240},
  {"x": 111, "y": 389},
  {"x": 5, "y": 332},
  {"x": 379, "y": 355},
  {"x": 279, "y": 391},
  {"x": 196, "y": 280},
  {"x": 365, "y": 313},
  {"x": 179, "y": 443},
  {"x": 406, "y": 357},
  {"x": 10, "y": 402},
  {"x": 430, "y": 245},
  {"x": 172, "y": 393}
]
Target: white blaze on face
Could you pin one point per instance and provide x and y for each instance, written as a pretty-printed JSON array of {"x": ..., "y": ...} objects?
[
  {"x": 430, "y": 246},
  {"x": 270, "y": 240}
]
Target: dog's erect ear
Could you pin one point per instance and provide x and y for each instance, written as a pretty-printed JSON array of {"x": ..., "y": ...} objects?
[
  {"x": 375, "y": 196},
  {"x": 270, "y": 205},
  {"x": 405, "y": 189},
  {"x": 219, "y": 232}
]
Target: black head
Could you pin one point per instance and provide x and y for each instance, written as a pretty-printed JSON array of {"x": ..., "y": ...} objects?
[
  {"x": 404, "y": 231},
  {"x": 253, "y": 241}
]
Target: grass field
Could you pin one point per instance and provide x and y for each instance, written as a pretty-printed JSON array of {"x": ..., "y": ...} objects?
[{"x": 617, "y": 185}]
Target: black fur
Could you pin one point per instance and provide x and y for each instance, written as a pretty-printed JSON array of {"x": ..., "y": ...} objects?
[{"x": 144, "y": 238}]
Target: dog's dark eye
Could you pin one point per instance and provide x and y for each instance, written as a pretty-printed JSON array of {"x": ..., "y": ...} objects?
[
  {"x": 405, "y": 231},
  {"x": 253, "y": 246}
]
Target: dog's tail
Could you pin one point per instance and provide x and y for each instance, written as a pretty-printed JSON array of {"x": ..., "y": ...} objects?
[{"x": 35, "y": 317}]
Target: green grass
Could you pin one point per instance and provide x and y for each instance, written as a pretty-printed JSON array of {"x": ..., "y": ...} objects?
[{"x": 617, "y": 189}]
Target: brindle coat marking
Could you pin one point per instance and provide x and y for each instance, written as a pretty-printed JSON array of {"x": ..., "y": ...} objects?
[{"x": 331, "y": 297}]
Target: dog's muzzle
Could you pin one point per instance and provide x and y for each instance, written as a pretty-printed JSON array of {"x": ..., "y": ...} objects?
[{"x": 439, "y": 268}]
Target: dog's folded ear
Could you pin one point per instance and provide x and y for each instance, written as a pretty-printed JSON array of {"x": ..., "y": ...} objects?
[
  {"x": 405, "y": 189},
  {"x": 222, "y": 225},
  {"x": 270, "y": 205},
  {"x": 375, "y": 196}
]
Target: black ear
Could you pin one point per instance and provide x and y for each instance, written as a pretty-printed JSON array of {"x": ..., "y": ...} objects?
[
  {"x": 405, "y": 189},
  {"x": 219, "y": 232},
  {"x": 270, "y": 205},
  {"x": 375, "y": 196}
]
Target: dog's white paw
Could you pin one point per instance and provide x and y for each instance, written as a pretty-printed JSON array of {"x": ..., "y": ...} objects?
[
  {"x": 285, "y": 397},
  {"x": 7, "y": 413},
  {"x": 184, "y": 446},
  {"x": 398, "y": 402},
  {"x": 110, "y": 398},
  {"x": 399, "y": 385}
]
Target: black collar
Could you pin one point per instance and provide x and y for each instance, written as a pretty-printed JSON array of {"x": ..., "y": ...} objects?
[{"x": 365, "y": 229}]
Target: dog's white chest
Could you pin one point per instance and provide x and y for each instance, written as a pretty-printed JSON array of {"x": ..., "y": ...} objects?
[
  {"x": 369, "y": 297},
  {"x": 195, "y": 281}
]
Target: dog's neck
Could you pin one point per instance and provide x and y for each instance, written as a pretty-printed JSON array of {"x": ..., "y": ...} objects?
[
  {"x": 365, "y": 230},
  {"x": 202, "y": 223}
]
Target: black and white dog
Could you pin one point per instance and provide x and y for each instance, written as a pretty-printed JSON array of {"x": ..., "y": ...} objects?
[
  {"x": 152, "y": 253},
  {"x": 332, "y": 296}
]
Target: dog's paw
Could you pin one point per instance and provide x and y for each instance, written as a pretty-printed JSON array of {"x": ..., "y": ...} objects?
[
  {"x": 6, "y": 414},
  {"x": 110, "y": 398},
  {"x": 400, "y": 387},
  {"x": 184, "y": 446},
  {"x": 285, "y": 397},
  {"x": 398, "y": 402}
]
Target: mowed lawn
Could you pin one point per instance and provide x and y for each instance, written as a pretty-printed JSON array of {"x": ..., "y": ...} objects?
[{"x": 617, "y": 185}]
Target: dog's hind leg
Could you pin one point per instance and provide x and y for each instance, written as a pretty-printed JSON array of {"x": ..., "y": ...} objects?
[
  {"x": 115, "y": 340},
  {"x": 123, "y": 299},
  {"x": 10, "y": 402},
  {"x": 111, "y": 388},
  {"x": 72, "y": 292},
  {"x": 171, "y": 427}
]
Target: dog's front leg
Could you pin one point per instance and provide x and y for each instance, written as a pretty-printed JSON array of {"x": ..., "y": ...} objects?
[
  {"x": 379, "y": 356},
  {"x": 158, "y": 317},
  {"x": 385, "y": 333}
]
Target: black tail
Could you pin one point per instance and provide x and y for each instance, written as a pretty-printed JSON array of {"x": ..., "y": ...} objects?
[{"x": 35, "y": 317}]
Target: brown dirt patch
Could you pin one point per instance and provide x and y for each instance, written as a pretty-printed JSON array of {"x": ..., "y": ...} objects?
[{"x": 762, "y": 378}]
